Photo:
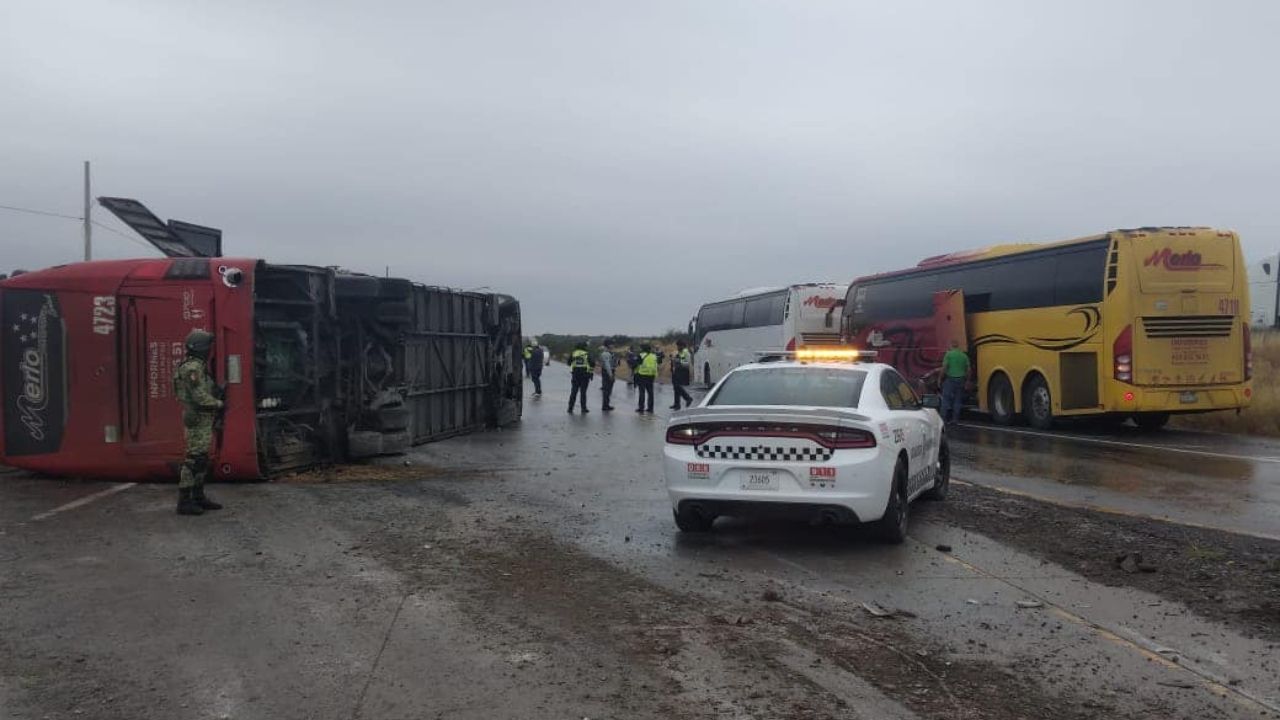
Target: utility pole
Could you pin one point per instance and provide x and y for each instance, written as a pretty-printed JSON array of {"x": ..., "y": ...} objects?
[{"x": 88, "y": 224}]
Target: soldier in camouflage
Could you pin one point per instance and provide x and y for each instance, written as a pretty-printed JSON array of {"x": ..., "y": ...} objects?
[{"x": 201, "y": 403}]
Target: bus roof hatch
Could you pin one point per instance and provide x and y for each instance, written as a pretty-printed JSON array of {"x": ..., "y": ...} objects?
[{"x": 174, "y": 239}]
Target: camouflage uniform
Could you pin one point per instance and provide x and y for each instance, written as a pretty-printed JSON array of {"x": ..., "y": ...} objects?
[{"x": 200, "y": 404}]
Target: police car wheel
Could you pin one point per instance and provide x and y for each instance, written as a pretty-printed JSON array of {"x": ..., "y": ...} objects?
[
  {"x": 942, "y": 481},
  {"x": 892, "y": 528},
  {"x": 691, "y": 519}
]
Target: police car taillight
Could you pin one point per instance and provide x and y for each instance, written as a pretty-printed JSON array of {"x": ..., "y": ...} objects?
[
  {"x": 685, "y": 434},
  {"x": 847, "y": 438}
]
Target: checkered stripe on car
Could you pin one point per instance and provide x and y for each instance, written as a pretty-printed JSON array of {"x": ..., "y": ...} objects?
[{"x": 763, "y": 452}]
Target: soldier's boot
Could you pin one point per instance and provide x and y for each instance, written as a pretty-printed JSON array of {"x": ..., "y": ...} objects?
[
  {"x": 186, "y": 502},
  {"x": 202, "y": 501}
]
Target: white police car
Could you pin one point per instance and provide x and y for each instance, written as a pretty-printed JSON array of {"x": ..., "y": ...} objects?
[{"x": 819, "y": 437}]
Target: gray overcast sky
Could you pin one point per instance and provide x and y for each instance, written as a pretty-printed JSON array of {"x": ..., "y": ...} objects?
[{"x": 615, "y": 164}]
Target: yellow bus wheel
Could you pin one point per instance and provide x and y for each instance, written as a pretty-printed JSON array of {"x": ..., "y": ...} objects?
[
  {"x": 1037, "y": 403},
  {"x": 1000, "y": 399}
]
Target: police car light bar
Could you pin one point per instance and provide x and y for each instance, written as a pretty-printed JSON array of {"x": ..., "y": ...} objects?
[{"x": 818, "y": 354}]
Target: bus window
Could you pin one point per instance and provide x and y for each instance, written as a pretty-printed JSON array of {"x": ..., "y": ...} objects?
[
  {"x": 1079, "y": 277},
  {"x": 765, "y": 310},
  {"x": 1023, "y": 283}
]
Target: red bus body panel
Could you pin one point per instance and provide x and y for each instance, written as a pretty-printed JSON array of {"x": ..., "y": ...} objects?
[{"x": 89, "y": 351}]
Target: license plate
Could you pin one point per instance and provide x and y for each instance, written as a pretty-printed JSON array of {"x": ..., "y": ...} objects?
[
  {"x": 1189, "y": 397},
  {"x": 760, "y": 480}
]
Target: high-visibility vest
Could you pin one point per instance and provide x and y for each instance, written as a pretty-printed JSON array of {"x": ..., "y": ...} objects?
[
  {"x": 528, "y": 353},
  {"x": 684, "y": 357},
  {"x": 579, "y": 360},
  {"x": 648, "y": 365}
]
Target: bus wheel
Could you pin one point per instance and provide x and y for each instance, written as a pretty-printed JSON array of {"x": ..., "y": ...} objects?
[
  {"x": 1000, "y": 399},
  {"x": 1037, "y": 403},
  {"x": 1151, "y": 420}
]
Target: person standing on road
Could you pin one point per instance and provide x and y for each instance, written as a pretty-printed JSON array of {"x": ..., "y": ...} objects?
[
  {"x": 633, "y": 362},
  {"x": 201, "y": 401},
  {"x": 955, "y": 373},
  {"x": 681, "y": 374},
  {"x": 608, "y": 366},
  {"x": 528, "y": 355},
  {"x": 534, "y": 366},
  {"x": 580, "y": 369},
  {"x": 646, "y": 373}
]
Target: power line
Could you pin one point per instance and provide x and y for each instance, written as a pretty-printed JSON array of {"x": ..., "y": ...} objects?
[
  {"x": 130, "y": 238},
  {"x": 40, "y": 212},
  {"x": 78, "y": 218}
]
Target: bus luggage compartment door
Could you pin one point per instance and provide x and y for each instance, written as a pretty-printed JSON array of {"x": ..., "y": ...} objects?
[{"x": 155, "y": 328}]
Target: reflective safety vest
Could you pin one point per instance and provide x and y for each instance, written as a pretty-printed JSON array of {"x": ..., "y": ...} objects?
[
  {"x": 648, "y": 365},
  {"x": 528, "y": 353},
  {"x": 684, "y": 357},
  {"x": 579, "y": 360}
]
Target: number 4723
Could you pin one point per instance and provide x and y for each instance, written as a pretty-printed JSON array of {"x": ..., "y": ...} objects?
[{"x": 104, "y": 314}]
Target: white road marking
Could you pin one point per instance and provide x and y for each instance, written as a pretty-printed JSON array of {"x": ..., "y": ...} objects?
[
  {"x": 83, "y": 501},
  {"x": 1121, "y": 443}
]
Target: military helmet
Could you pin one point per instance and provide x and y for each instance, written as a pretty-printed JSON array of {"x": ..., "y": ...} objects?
[{"x": 199, "y": 343}]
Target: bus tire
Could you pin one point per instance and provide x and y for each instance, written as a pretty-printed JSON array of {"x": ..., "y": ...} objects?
[
  {"x": 1151, "y": 420},
  {"x": 1000, "y": 399},
  {"x": 1037, "y": 403}
]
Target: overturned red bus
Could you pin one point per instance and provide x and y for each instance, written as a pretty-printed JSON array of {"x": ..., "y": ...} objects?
[{"x": 319, "y": 365}]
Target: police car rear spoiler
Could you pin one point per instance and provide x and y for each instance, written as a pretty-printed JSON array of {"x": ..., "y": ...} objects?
[{"x": 752, "y": 413}]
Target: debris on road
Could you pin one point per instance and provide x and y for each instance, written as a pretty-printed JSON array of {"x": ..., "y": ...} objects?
[
  {"x": 877, "y": 610},
  {"x": 1132, "y": 562},
  {"x": 1030, "y": 604},
  {"x": 942, "y": 548},
  {"x": 1181, "y": 684}
]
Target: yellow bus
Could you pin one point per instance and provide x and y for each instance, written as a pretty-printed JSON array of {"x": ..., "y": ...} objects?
[{"x": 1142, "y": 323}]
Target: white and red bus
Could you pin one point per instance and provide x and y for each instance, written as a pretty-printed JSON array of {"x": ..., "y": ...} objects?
[{"x": 731, "y": 332}]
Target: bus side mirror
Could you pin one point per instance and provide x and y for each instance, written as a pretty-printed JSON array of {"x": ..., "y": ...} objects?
[{"x": 933, "y": 402}]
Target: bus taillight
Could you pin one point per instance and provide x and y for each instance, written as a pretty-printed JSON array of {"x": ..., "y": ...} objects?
[
  {"x": 1248, "y": 353},
  {"x": 1122, "y": 352},
  {"x": 791, "y": 345}
]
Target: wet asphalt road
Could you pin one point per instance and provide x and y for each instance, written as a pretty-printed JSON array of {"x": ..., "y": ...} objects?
[
  {"x": 1220, "y": 481},
  {"x": 394, "y": 599}
]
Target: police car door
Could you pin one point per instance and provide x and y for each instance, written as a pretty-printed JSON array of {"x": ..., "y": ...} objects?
[{"x": 910, "y": 426}]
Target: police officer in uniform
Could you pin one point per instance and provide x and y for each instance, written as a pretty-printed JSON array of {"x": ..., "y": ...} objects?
[
  {"x": 580, "y": 367},
  {"x": 681, "y": 374},
  {"x": 533, "y": 365},
  {"x": 646, "y": 373},
  {"x": 201, "y": 402}
]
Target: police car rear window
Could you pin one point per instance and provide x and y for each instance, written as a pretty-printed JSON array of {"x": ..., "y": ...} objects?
[{"x": 810, "y": 387}]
